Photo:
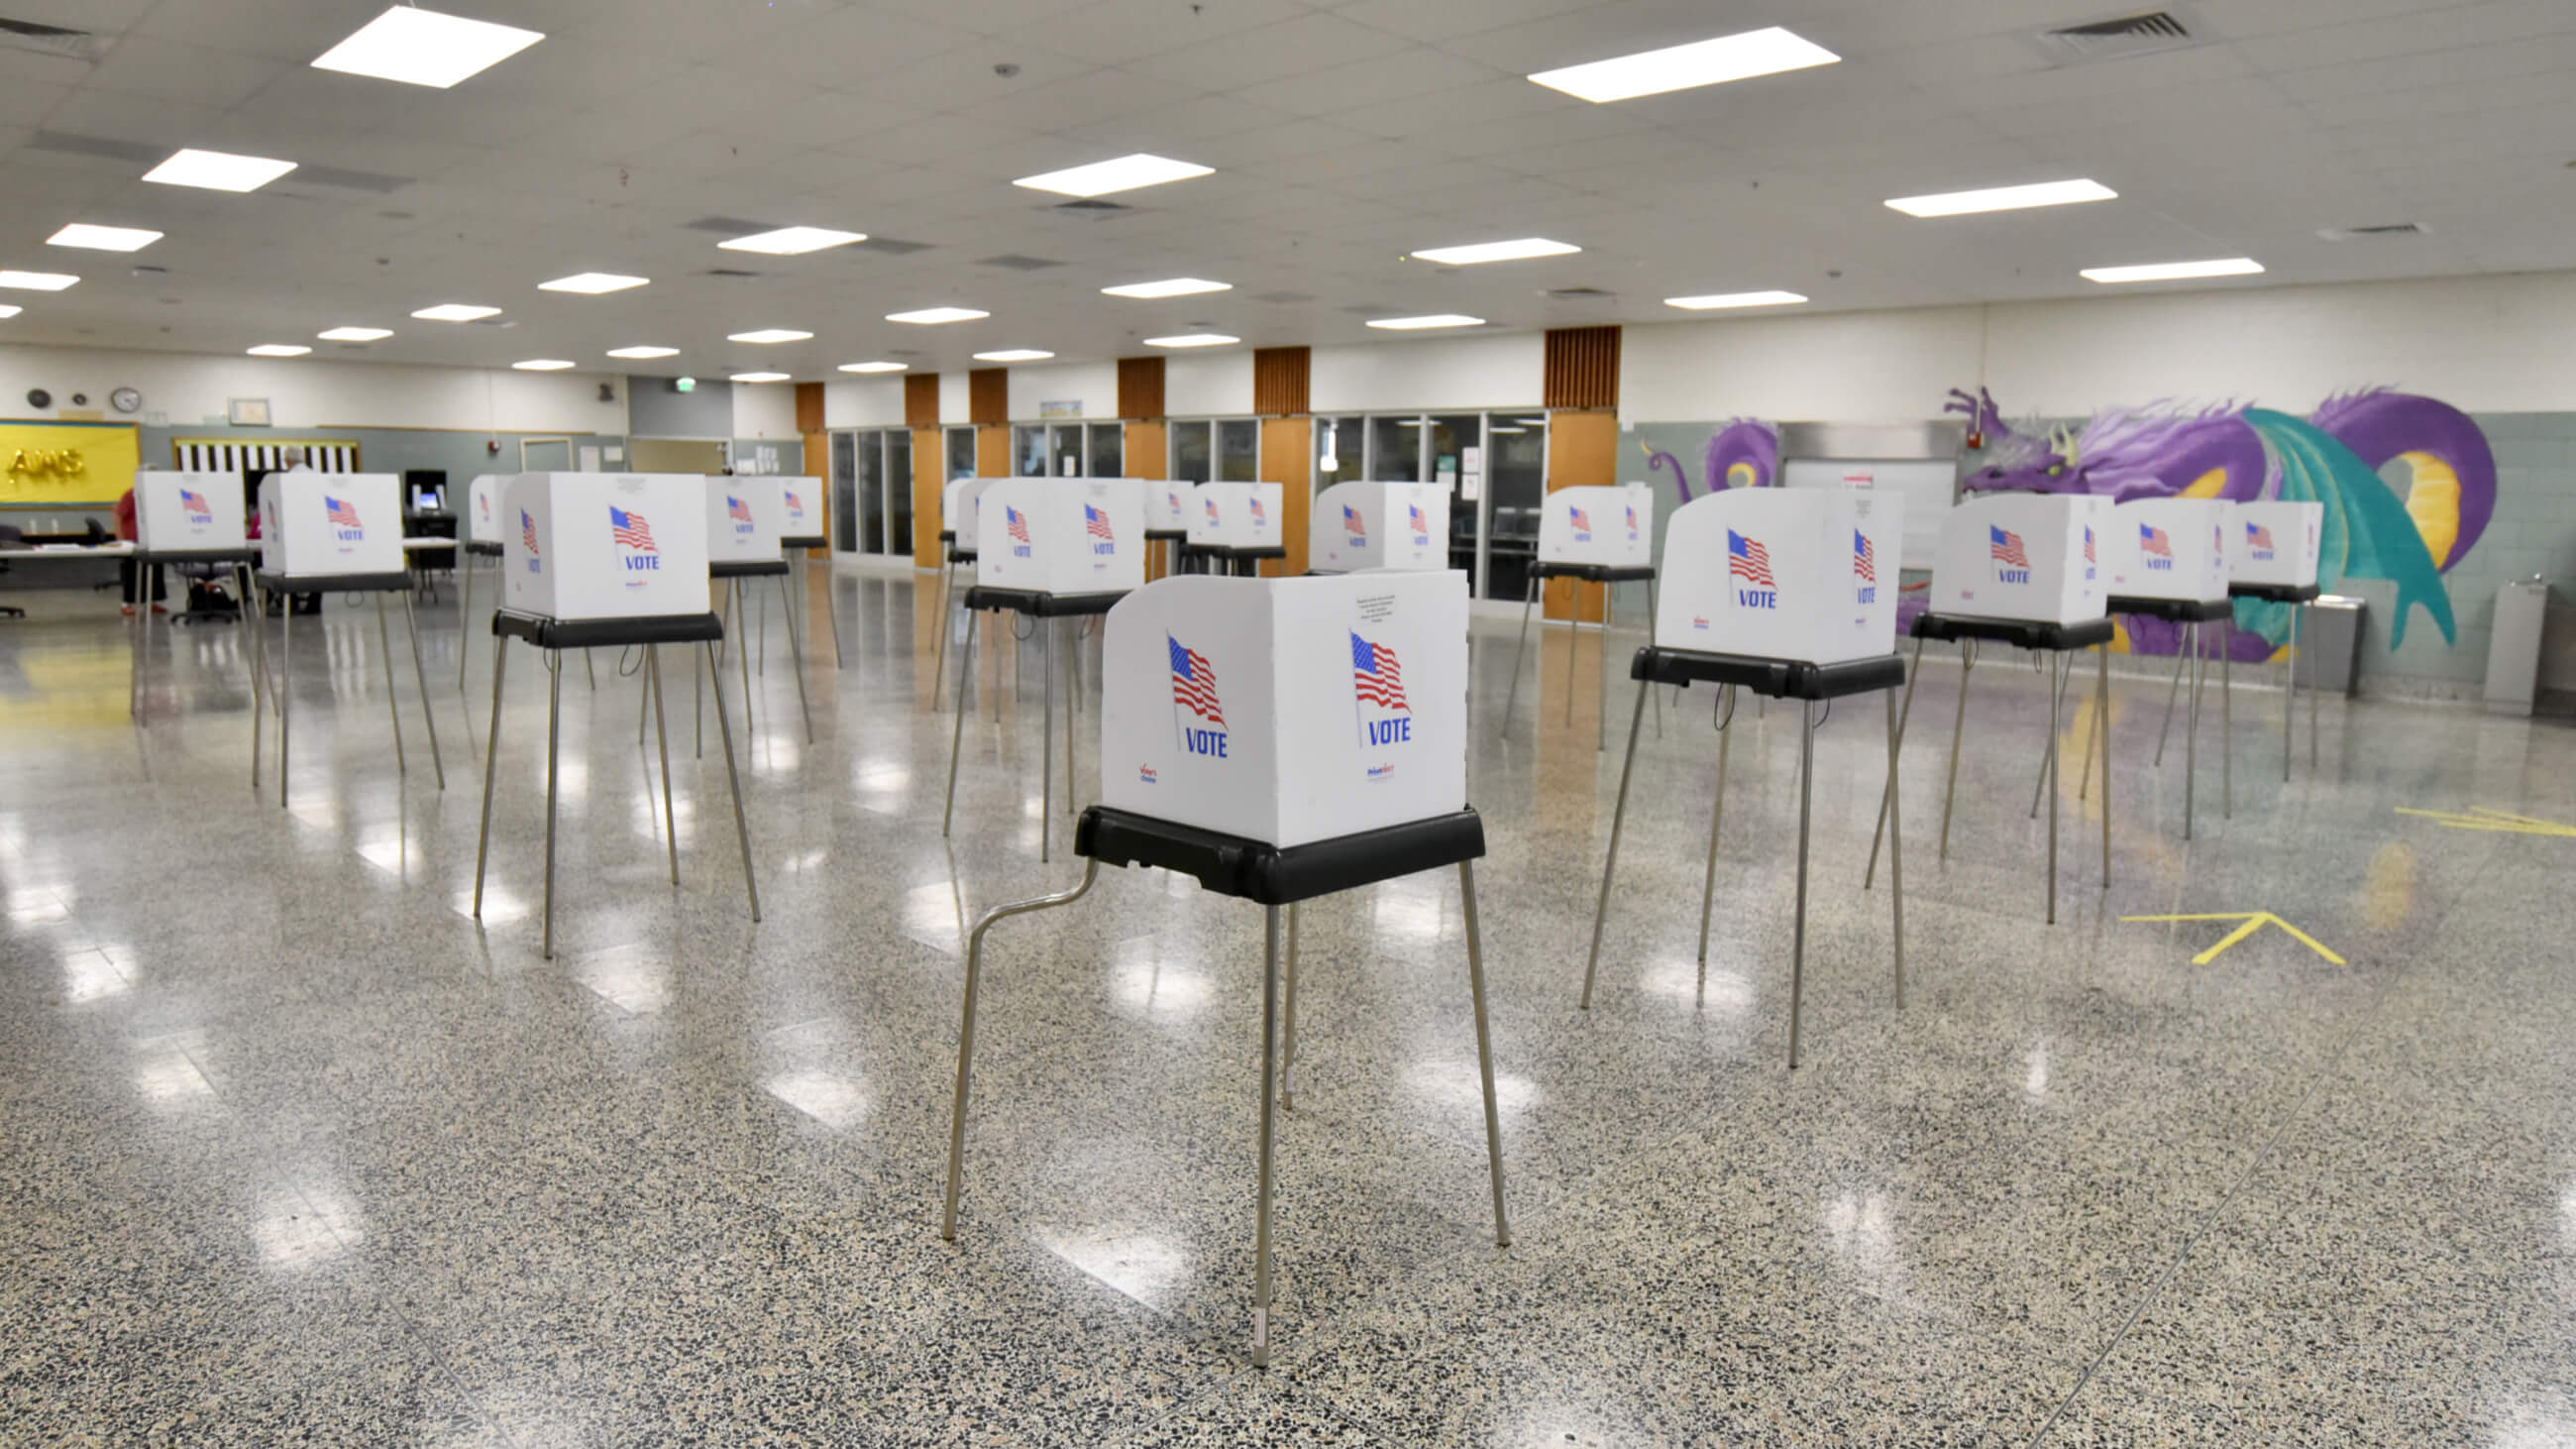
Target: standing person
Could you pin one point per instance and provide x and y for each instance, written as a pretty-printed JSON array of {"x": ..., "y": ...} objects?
[{"x": 126, "y": 568}]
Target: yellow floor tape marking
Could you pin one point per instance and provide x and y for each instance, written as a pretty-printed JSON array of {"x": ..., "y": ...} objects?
[
  {"x": 2479, "y": 817},
  {"x": 2252, "y": 921}
]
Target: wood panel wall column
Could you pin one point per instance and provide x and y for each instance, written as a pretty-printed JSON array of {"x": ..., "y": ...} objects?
[
  {"x": 988, "y": 407},
  {"x": 1580, "y": 387},
  {"x": 1142, "y": 444},
  {"x": 1281, "y": 382},
  {"x": 929, "y": 467},
  {"x": 818, "y": 445}
]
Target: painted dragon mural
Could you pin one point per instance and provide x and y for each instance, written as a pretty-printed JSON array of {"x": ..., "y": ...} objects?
[{"x": 2333, "y": 456}]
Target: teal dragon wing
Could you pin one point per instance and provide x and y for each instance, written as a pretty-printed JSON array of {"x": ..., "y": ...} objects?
[{"x": 2367, "y": 532}]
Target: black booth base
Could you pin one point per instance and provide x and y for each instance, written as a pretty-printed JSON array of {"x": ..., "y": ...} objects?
[
  {"x": 804, "y": 540},
  {"x": 1776, "y": 678},
  {"x": 2020, "y": 633},
  {"x": 332, "y": 583},
  {"x": 1274, "y": 875},
  {"x": 1038, "y": 604},
  {"x": 961, "y": 555},
  {"x": 2173, "y": 611},
  {"x": 195, "y": 555},
  {"x": 1594, "y": 573},
  {"x": 745, "y": 568},
  {"x": 548, "y": 633},
  {"x": 481, "y": 549},
  {"x": 2276, "y": 593},
  {"x": 1166, "y": 535}
]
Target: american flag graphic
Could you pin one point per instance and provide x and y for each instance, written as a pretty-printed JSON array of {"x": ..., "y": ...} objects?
[
  {"x": 1096, "y": 523},
  {"x": 1632, "y": 520},
  {"x": 528, "y": 531},
  {"x": 1864, "y": 558},
  {"x": 1211, "y": 507},
  {"x": 795, "y": 505},
  {"x": 2257, "y": 535},
  {"x": 1351, "y": 523},
  {"x": 1193, "y": 683},
  {"x": 1377, "y": 677},
  {"x": 340, "y": 512},
  {"x": 1015, "y": 523},
  {"x": 1582, "y": 520},
  {"x": 2088, "y": 543},
  {"x": 736, "y": 508},
  {"x": 1413, "y": 515},
  {"x": 196, "y": 503},
  {"x": 2152, "y": 541},
  {"x": 2004, "y": 547},
  {"x": 483, "y": 501},
  {"x": 1748, "y": 560},
  {"x": 630, "y": 529},
  {"x": 1258, "y": 516}
]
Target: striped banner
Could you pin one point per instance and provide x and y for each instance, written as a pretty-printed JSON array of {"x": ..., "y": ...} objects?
[{"x": 221, "y": 455}]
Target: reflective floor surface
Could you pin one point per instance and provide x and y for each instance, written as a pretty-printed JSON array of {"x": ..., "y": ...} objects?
[{"x": 297, "y": 1152}]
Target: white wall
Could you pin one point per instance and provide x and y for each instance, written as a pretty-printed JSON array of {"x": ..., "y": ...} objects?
[
  {"x": 764, "y": 410},
  {"x": 1092, "y": 386},
  {"x": 875, "y": 403},
  {"x": 1215, "y": 384},
  {"x": 303, "y": 393},
  {"x": 1481, "y": 371}
]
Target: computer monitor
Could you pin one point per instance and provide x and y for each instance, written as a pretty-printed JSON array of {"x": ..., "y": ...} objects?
[{"x": 426, "y": 498}]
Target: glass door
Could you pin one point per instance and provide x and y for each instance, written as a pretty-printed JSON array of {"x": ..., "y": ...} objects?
[
  {"x": 845, "y": 493},
  {"x": 1515, "y": 493},
  {"x": 961, "y": 454},
  {"x": 872, "y": 493},
  {"x": 898, "y": 529},
  {"x": 1108, "y": 450},
  {"x": 1445, "y": 442}
]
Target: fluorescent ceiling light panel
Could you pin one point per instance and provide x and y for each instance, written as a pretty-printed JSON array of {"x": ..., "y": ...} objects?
[
  {"x": 874, "y": 366},
  {"x": 542, "y": 364},
  {"x": 7, "y": 310},
  {"x": 640, "y": 353},
  {"x": 2004, "y": 198},
  {"x": 1175, "y": 287},
  {"x": 759, "y": 377},
  {"x": 356, "y": 334},
  {"x": 2176, "y": 271},
  {"x": 769, "y": 335},
  {"x": 1194, "y": 339},
  {"x": 793, "y": 241},
  {"x": 218, "y": 170},
  {"x": 425, "y": 48},
  {"x": 933, "y": 316},
  {"x": 1014, "y": 354},
  {"x": 456, "y": 312},
  {"x": 279, "y": 349},
  {"x": 1416, "y": 324},
  {"x": 592, "y": 284},
  {"x": 1682, "y": 67},
  {"x": 103, "y": 238},
  {"x": 1125, "y": 173},
  {"x": 36, "y": 281},
  {"x": 1500, "y": 251},
  {"x": 1717, "y": 300}
]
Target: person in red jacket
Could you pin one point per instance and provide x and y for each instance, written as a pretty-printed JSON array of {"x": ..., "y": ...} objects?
[{"x": 127, "y": 568}]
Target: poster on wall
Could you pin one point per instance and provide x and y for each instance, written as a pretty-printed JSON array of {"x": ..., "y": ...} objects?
[
  {"x": 1061, "y": 408},
  {"x": 67, "y": 463}
]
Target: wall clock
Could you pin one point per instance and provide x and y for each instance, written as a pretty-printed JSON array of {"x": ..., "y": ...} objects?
[{"x": 125, "y": 399}]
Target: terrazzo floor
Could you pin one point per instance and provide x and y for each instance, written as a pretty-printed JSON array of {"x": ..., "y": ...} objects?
[{"x": 296, "y": 1152}]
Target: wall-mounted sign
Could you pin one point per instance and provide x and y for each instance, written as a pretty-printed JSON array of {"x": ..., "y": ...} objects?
[
  {"x": 249, "y": 412},
  {"x": 1061, "y": 408},
  {"x": 66, "y": 463}
]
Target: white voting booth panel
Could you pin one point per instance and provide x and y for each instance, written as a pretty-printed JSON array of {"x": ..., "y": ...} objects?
[
  {"x": 2275, "y": 543},
  {"x": 2170, "y": 548},
  {"x": 1288, "y": 710},
  {"x": 606, "y": 545},
  {"x": 957, "y": 508},
  {"x": 2037, "y": 557},
  {"x": 1612, "y": 527},
  {"x": 176, "y": 511},
  {"x": 1782, "y": 573},
  {"x": 331, "y": 523},
  {"x": 1236, "y": 515},
  {"x": 800, "y": 506},
  {"x": 483, "y": 509},
  {"x": 1167, "y": 506},
  {"x": 1061, "y": 535},
  {"x": 1356, "y": 526},
  {"x": 744, "y": 518}
]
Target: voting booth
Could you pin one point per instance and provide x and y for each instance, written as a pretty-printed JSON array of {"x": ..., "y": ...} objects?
[
  {"x": 608, "y": 560},
  {"x": 1790, "y": 594},
  {"x": 2272, "y": 559},
  {"x": 958, "y": 509},
  {"x": 800, "y": 525},
  {"x": 1603, "y": 536},
  {"x": 745, "y": 517},
  {"x": 746, "y": 520},
  {"x": 1236, "y": 525},
  {"x": 2169, "y": 561},
  {"x": 1355, "y": 526},
  {"x": 176, "y": 514},
  {"x": 2028, "y": 556},
  {"x": 1278, "y": 740},
  {"x": 1167, "y": 509},
  {"x": 483, "y": 523}
]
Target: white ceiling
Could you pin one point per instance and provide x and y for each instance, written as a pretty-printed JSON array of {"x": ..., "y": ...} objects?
[{"x": 1344, "y": 135}]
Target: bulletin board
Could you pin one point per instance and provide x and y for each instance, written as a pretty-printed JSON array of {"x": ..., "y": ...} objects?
[{"x": 67, "y": 464}]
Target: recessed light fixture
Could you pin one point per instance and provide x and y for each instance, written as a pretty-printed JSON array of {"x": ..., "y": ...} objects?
[
  {"x": 933, "y": 316},
  {"x": 760, "y": 377},
  {"x": 793, "y": 241},
  {"x": 218, "y": 170},
  {"x": 1014, "y": 354},
  {"x": 425, "y": 48},
  {"x": 1416, "y": 324},
  {"x": 1124, "y": 173},
  {"x": 8, "y": 310},
  {"x": 456, "y": 312},
  {"x": 356, "y": 334},
  {"x": 1500, "y": 251},
  {"x": 2175, "y": 271},
  {"x": 1176, "y": 287},
  {"x": 542, "y": 364},
  {"x": 279, "y": 349},
  {"x": 874, "y": 366},
  {"x": 2004, "y": 198},
  {"x": 1682, "y": 67},
  {"x": 1193, "y": 339},
  {"x": 640, "y": 353},
  {"x": 769, "y": 335},
  {"x": 1716, "y": 300},
  {"x": 36, "y": 281},
  {"x": 103, "y": 238},
  {"x": 592, "y": 284}
]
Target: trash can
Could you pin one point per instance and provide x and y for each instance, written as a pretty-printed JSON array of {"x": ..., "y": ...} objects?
[
  {"x": 2513, "y": 650},
  {"x": 2330, "y": 644}
]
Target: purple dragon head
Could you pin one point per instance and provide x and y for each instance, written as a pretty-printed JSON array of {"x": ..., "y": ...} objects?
[{"x": 2156, "y": 451}]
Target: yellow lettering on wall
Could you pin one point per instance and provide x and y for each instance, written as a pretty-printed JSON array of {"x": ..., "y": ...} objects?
[{"x": 54, "y": 463}]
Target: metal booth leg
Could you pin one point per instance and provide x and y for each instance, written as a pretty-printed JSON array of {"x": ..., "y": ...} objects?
[
  {"x": 2060, "y": 669},
  {"x": 491, "y": 762},
  {"x": 2290, "y": 692},
  {"x": 1618, "y": 817},
  {"x": 464, "y": 619},
  {"x": 590, "y": 670},
  {"x": 832, "y": 615},
  {"x": 742, "y": 651},
  {"x": 2102, "y": 727},
  {"x": 1896, "y": 851},
  {"x": 393, "y": 707},
  {"x": 1716, "y": 818},
  {"x": 2226, "y": 724},
  {"x": 420, "y": 672},
  {"x": 1904, "y": 718},
  {"x": 947, "y": 610},
  {"x": 1269, "y": 1068},
  {"x": 795, "y": 654},
  {"x": 1072, "y": 707},
  {"x": 741, "y": 830},
  {"x": 1288, "y": 1024},
  {"x": 2173, "y": 691},
  {"x": 957, "y": 1102},
  {"x": 2316, "y": 691},
  {"x": 286, "y": 677},
  {"x": 1046, "y": 751},
  {"x": 1511, "y": 696},
  {"x": 1484, "y": 1053},
  {"x": 1958, "y": 726},
  {"x": 554, "y": 733},
  {"x": 2191, "y": 737},
  {"x": 1601, "y": 696},
  {"x": 661, "y": 737},
  {"x": 1650, "y": 638},
  {"x": 957, "y": 726},
  {"x": 263, "y": 689},
  {"x": 1798, "y": 941},
  {"x": 2056, "y": 712}
]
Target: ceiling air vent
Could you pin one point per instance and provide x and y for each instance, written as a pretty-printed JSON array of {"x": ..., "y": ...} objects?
[
  {"x": 1016, "y": 262},
  {"x": 2119, "y": 39},
  {"x": 1579, "y": 294},
  {"x": 1092, "y": 208},
  {"x": 52, "y": 40},
  {"x": 2371, "y": 233},
  {"x": 891, "y": 247},
  {"x": 736, "y": 273}
]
